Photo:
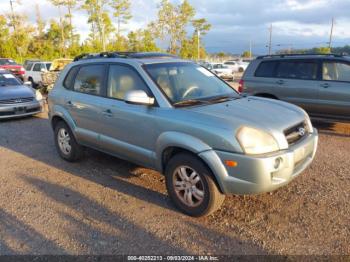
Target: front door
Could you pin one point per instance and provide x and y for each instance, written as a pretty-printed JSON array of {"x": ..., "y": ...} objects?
[{"x": 128, "y": 130}]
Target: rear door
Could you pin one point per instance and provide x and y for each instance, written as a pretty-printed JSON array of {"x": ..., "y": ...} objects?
[
  {"x": 334, "y": 92},
  {"x": 84, "y": 101}
]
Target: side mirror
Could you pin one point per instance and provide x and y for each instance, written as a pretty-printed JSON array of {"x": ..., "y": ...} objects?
[
  {"x": 28, "y": 83},
  {"x": 138, "y": 97},
  {"x": 43, "y": 70}
]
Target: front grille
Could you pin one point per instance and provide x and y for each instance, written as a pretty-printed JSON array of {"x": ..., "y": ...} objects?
[
  {"x": 16, "y": 100},
  {"x": 296, "y": 133}
]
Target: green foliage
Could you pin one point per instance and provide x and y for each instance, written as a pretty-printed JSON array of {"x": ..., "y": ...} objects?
[
  {"x": 246, "y": 54},
  {"x": 57, "y": 38},
  {"x": 122, "y": 12}
]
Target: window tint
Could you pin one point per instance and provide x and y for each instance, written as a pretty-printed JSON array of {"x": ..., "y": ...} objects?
[
  {"x": 266, "y": 69},
  {"x": 37, "y": 67},
  {"x": 297, "y": 70},
  {"x": 123, "y": 79},
  {"x": 335, "y": 71},
  {"x": 48, "y": 65},
  {"x": 69, "y": 81},
  {"x": 90, "y": 79}
]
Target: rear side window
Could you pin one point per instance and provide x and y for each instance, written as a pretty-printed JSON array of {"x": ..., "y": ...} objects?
[
  {"x": 266, "y": 69},
  {"x": 69, "y": 81},
  {"x": 89, "y": 79},
  {"x": 29, "y": 66},
  {"x": 336, "y": 71},
  {"x": 304, "y": 70}
]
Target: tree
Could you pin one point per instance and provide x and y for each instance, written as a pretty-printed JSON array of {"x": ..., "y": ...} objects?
[
  {"x": 246, "y": 54},
  {"x": 321, "y": 50},
  {"x": 99, "y": 20},
  {"x": 172, "y": 22},
  {"x": 122, "y": 12},
  {"x": 201, "y": 25}
]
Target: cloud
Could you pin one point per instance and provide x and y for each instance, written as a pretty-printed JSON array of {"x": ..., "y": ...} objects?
[{"x": 296, "y": 23}]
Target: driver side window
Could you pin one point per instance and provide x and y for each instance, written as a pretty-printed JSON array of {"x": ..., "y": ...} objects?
[{"x": 122, "y": 79}]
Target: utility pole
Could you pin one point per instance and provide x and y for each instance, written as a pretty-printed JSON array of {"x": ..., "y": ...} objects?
[
  {"x": 331, "y": 35},
  {"x": 198, "y": 45},
  {"x": 270, "y": 41}
]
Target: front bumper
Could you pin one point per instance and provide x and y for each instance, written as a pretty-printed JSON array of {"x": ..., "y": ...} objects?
[
  {"x": 21, "y": 109},
  {"x": 258, "y": 174}
]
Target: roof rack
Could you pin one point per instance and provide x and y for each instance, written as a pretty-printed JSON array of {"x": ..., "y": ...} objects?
[
  {"x": 291, "y": 55},
  {"x": 136, "y": 55}
]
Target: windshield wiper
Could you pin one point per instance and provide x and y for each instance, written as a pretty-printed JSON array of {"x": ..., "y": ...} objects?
[
  {"x": 190, "y": 102},
  {"x": 218, "y": 99}
]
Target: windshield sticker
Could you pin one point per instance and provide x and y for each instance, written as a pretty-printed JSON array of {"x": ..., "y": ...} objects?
[
  {"x": 204, "y": 71},
  {"x": 8, "y": 76}
]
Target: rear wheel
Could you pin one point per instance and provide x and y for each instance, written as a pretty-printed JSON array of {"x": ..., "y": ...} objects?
[
  {"x": 191, "y": 186},
  {"x": 65, "y": 142}
]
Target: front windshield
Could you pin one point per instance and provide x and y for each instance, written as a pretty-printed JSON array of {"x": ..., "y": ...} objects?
[
  {"x": 7, "y": 62},
  {"x": 186, "y": 81},
  {"x": 8, "y": 80}
]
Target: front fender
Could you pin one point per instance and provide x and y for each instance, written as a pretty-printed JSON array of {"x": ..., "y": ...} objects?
[{"x": 180, "y": 140}]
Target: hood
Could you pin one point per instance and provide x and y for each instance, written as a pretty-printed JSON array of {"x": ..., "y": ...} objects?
[
  {"x": 13, "y": 92},
  {"x": 266, "y": 114}
]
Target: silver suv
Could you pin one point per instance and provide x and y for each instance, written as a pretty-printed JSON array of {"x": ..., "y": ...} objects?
[
  {"x": 178, "y": 118},
  {"x": 318, "y": 83}
]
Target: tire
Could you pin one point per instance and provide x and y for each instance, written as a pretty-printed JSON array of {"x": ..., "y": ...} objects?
[
  {"x": 34, "y": 85},
  {"x": 205, "y": 186},
  {"x": 70, "y": 152}
]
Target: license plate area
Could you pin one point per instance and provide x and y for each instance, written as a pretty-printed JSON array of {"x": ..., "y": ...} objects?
[{"x": 20, "y": 110}]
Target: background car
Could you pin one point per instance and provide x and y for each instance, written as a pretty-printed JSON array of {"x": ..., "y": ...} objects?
[
  {"x": 222, "y": 71},
  {"x": 318, "y": 83},
  {"x": 13, "y": 67},
  {"x": 237, "y": 66},
  {"x": 17, "y": 99},
  {"x": 34, "y": 71}
]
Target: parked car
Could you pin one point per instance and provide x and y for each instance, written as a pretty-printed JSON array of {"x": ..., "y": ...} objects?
[
  {"x": 222, "y": 71},
  {"x": 13, "y": 67},
  {"x": 237, "y": 66},
  {"x": 34, "y": 71},
  {"x": 318, "y": 83},
  {"x": 176, "y": 117},
  {"x": 49, "y": 77},
  {"x": 17, "y": 99}
]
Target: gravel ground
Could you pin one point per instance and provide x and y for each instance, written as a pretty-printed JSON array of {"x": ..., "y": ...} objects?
[{"x": 104, "y": 205}]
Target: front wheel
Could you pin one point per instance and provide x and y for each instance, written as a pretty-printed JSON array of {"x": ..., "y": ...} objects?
[
  {"x": 65, "y": 142},
  {"x": 191, "y": 186}
]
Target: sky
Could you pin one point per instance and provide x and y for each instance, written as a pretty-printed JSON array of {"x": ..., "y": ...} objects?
[{"x": 236, "y": 23}]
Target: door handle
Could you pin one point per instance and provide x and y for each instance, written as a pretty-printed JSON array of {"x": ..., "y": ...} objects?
[
  {"x": 280, "y": 82},
  {"x": 70, "y": 104},
  {"x": 325, "y": 85},
  {"x": 107, "y": 113}
]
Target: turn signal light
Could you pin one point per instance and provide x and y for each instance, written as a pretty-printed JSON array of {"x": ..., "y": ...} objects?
[{"x": 231, "y": 163}]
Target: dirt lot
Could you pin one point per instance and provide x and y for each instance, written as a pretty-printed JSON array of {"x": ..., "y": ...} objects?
[{"x": 104, "y": 205}]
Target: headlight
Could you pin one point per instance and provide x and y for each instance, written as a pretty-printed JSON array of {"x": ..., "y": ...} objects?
[
  {"x": 38, "y": 95},
  {"x": 254, "y": 141}
]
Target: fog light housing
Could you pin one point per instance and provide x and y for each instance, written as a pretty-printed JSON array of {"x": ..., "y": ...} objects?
[{"x": 278, "y": 163}]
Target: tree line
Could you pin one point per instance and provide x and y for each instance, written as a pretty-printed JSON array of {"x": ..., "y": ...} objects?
[{"x": 108, "y": 21}]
